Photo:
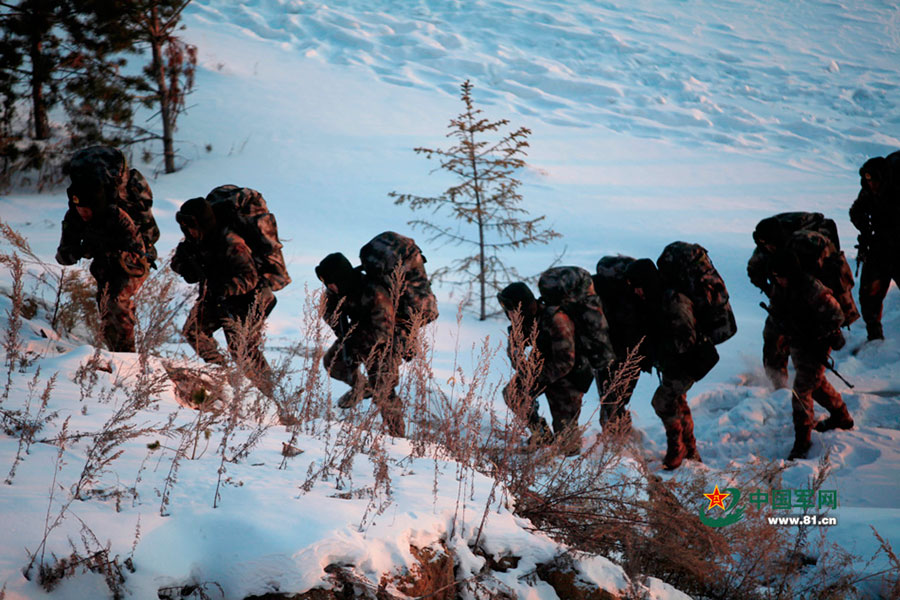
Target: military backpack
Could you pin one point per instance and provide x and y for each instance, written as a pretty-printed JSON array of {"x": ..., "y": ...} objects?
[
  {"x": 687, "y": 269},
  {"x": 571, "y": 290},
  {"x": 610, "y": 278},
  {"x": 819, "y": 257},
  {"x": 127, "y": 189},
  {"x": 244, "y": 211},
  {"x": 390, "y": 258}
]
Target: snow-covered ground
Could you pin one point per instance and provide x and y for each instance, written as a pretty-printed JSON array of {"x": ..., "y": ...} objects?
[{"x": 652, "y": 121}]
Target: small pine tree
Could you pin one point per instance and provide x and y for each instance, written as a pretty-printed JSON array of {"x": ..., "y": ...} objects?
[
  {"x": 485, "y": 201},
  {"x": 169, "y": 76}
]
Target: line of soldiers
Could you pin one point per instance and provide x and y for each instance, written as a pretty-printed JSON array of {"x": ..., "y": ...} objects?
[
  {"x": 236, "y": 267},
  {"x": 651, "y": 319},
  {"x": 669, "y": 314}
]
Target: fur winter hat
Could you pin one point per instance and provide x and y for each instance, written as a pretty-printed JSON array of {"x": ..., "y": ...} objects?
[
  {"x": 643, "y": 274},
  {"x": 515, "y": 296},
  {"x": 769, "y": 231},
  {"x": 335, "y": 268},
  {"x": 197, "y": 213}
]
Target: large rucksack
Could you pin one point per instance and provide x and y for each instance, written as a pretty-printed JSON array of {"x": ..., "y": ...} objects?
[
  {"x": 244, "y": 211},
  {"x": 127, "y": 188},
  {"x": 687, "y": 268},
  {"x": 610, "y": 277},
  {"x": 818, "y": 256},
  {"x": 390, "y": 255},
  {"x": 792, "y": 222},
  {"x": 571, "y": 289}
]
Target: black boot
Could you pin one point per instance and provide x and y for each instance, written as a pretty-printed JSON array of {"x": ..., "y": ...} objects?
[
  {"x": 875, "y": 331},
  {"x": 802, "y": 443},
  {"x": 541, "y": 435},
  {"x": 839, "y": 419}
]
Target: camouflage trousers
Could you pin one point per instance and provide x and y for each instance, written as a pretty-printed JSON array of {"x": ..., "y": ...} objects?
[
  {"x": 776, "y": 352},
  {"x": 873, "y": 287},
  {"x": 810, "y": 384},
  {"x": 115, "y": 303},
  {"x": 382, "y": 378},
  {"x": 563, "y": 395},
  {"x": 615, "y": 406},
  {"x": 244, "y": 338},
  {"x": 670, "y": 404}
]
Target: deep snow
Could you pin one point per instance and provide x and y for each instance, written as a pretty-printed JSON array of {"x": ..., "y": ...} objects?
[{"x": 652, "y": 122}]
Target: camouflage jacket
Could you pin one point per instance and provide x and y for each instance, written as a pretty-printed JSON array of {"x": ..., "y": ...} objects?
[
  {"x": 878, "y": 220},
  {"x": 110, "y": 238},
  {"x": 677, "y": 330},
  {"x": 758, "y": 269},
  {"x": 807, "y": 310},
  {"x": 556, "y": 344},
  {"x": 375, "y": 323},
  {"x": 222, "y": 265},
  {"x": 677, "y": 345},
  {"x": 340, "y": 311}
]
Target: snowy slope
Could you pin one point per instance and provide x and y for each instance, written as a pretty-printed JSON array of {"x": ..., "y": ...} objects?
[{"x": 653, "y": 121}]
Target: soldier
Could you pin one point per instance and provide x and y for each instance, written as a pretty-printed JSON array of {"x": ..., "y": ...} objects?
[
  {"x": 342, "y": 311},
  {"x": 364, "y": 316},
  {"x": 109, "y": 219},
  {"x": 232, "y": 295},
  {"x": 876, "y": 214},
  {"x": 565, "y": 374},
  {"x": 680, "y": 351},
  {"x": 627, "y": 331},
  {"x": 814, "y": 239},
  {"x": 810, "y": 314}
]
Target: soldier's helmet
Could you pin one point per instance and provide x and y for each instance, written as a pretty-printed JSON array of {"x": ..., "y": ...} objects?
[
  {"x": 336, "y": 268},
  {"x": 98, "y": 175},
  {"x": 516, "y": 296},
  {"x": 872, "y": 173}
]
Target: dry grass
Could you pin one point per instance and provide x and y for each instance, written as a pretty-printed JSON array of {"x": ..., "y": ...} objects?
[{"x": 603, "y": 501}]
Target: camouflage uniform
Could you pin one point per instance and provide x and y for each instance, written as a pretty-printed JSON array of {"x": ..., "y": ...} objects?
[
  {"x": 627, "y": 329},
  {"x": 876, "y": 214},
  {"x": 809, "y": 236},
  {"x": 812, "y": 317},
  {"x": 222, "y": 263},
  {"x": 364, "y": 318},
  {"x": 565, "y": 373},
  {"x": 122, "y": 247},
  {"x": 683, "y": 356}
]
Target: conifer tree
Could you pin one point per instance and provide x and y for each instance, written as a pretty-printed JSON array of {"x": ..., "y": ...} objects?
[
  {"x": 485, "y": 202},
  {"x": 169, "y": 76},
  {"x": 32, "y": 54}
]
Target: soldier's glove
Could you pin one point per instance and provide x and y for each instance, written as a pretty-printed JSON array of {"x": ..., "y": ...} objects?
[
  {"x": 66, "y": 257},
  {"x": 836, "y": 339},
  {"x": 133, "y": 264}
]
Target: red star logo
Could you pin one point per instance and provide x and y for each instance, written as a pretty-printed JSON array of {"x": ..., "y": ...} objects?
[{"x": 717, "y": 498}]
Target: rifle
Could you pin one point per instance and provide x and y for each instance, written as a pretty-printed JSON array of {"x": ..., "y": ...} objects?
[
  {"x": 860, "y": 256},
  {"x": 829, "y": 361},
  {"x": 343, "y": 329},
  {"x": 829, "y": 364}
]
